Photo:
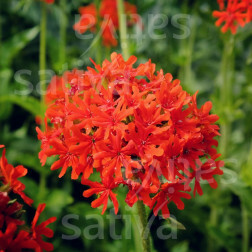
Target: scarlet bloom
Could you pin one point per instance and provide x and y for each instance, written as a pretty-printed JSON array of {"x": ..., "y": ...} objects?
[
  {"x": 8, "y": 211},
  {"x": 221, "y": 4},
  {"x": 104, "y": 20},
  {"x": 138, "y": 129},
  {"x": 66, "y": 157},
  {"x": 55, "y": 90},
  {"x": 42, "y": 229},
  {"x": 104, "y": 191},
  {"x": 48, "y": 1},
  {"x": 12, "y": 241},
  {"x": 170, "y": 192},
  {"x": 9, "y": 175},
  {"x": 236, "y": 13},
  {"x": 16, "y": 238},
  {"x": 15, "y": 235},
  {"x": 114, "y": 155}
]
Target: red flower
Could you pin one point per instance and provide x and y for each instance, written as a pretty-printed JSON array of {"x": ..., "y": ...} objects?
[
  {"x": 171, "y": 96},
  {"x": 62, "y": 147},
  {"x": 12, "y": 242},
  {"x": 139, "y": 192},
  {"x": 105, "y": 19},
  {"x": 48, "y": 1},
  {"x": 136, "y": 128},
  {"x": 14, "y": 239},
  {"x": 42, "y": 229},
  {"x": 8, "y": 211},
  {"x": 15, "y": 235},
  {"x": 221, "y": 4},
  {"x": 237, "y": 13},
  {"x": 205, "y": 172},
  {"x": 104, "y": 191},
  {"x": 45, "y": 139},
  {"x": 88, "y": 19},
  {"x": 114, "y": 155},
  {"x": 9, "y": 176},
  {"x": 2, "y": 146},
  {"x": 146, "y": 142},
  {"x": 112, "y": 119},
  {"x": 55, "y": 90},
  {"x": 170, "y": 192},
  {"x": 85, "y": 151}
]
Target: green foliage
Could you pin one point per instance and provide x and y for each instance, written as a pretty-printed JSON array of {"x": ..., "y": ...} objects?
[
  {"x": 28, "y": 103},
  {"x": 10, "y": 48}
]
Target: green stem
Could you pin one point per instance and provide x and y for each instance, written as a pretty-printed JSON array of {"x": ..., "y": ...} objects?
[
  {"x": 135, "y": 225},
  {"x": 0, "y": 30},
  {"x": 42, "y": 187},
  {"x": 187, "y": 46},
  {"x": 226, "y": 93},
  {"x": 213, "y": 222},
  {"x": 42, "y": 67},
  {"x": 225, "y": 125},
  {"x": 42, "y": 57},
  {"x": 245, "y": 229},
  {"x": 63, "y": 27},
  {"x": 189, "y": 53},
  {"x": 123, "y": 29},
  {"x": 98, "y": 46},
  {"x": 98, "y": 51},
  {"x": 107, "y": 53},
  {"x": 144, "y": 226}
]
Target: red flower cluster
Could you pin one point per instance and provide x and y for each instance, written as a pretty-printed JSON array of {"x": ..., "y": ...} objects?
[
  {"x": 48, "y": 1},
  {"x": 136, "y": 128},
  {"x": 105, "y": 20},
  {"x": 14, "y": 233},
  {"x": 9, "y": 176},
  {"x": 233, "y": 14}
]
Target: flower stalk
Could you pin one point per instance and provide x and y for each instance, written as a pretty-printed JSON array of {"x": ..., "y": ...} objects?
[
  {"x": 145, "y": 232},
  {"x": 245, "y": 229},
  {"x": 63, "y": 27},
  {"x": 42, "y": 68},
  {"x": 225, "y": 125},
  {"x": 125, "y": 52},
  {"x": 123, "y": 29},
  {"x": 98, "y": 45},
  {"x": 188, "y": 45},
  {"x": 226, "y": 93},
  {"x": 42, "y": 56}
]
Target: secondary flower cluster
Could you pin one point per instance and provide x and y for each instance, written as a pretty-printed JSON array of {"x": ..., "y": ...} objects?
[
  {"x": 104, "y": 20},
  {"x": 15, "y": 235},
  {"x": 136, "y": 127},
  {"x": 233, "y": 13},
  {"x": 48, "y": 1}
]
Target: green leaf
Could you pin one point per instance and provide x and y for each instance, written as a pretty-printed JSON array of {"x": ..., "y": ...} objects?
[
  {"x": 224, "y": 239},
  {"x": 173, "y": 223},
  {"x": 28, "y": 103},
  {"x": 181, "y": 247},
  {"x": 32, "y": 161},
  {"x": 83, "y": 208},
  {"x": 5, "y": 76},
  {"x": 57, "y": 200},
  {"x": 246, "y": 172},
  {"x": 31, "y": 187},
  {"x": 244, "y": 192},
  {"x": 14, "y": 45}
]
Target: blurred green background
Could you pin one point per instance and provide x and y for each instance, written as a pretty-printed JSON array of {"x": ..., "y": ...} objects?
[{"x": 220, "y": 220}]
